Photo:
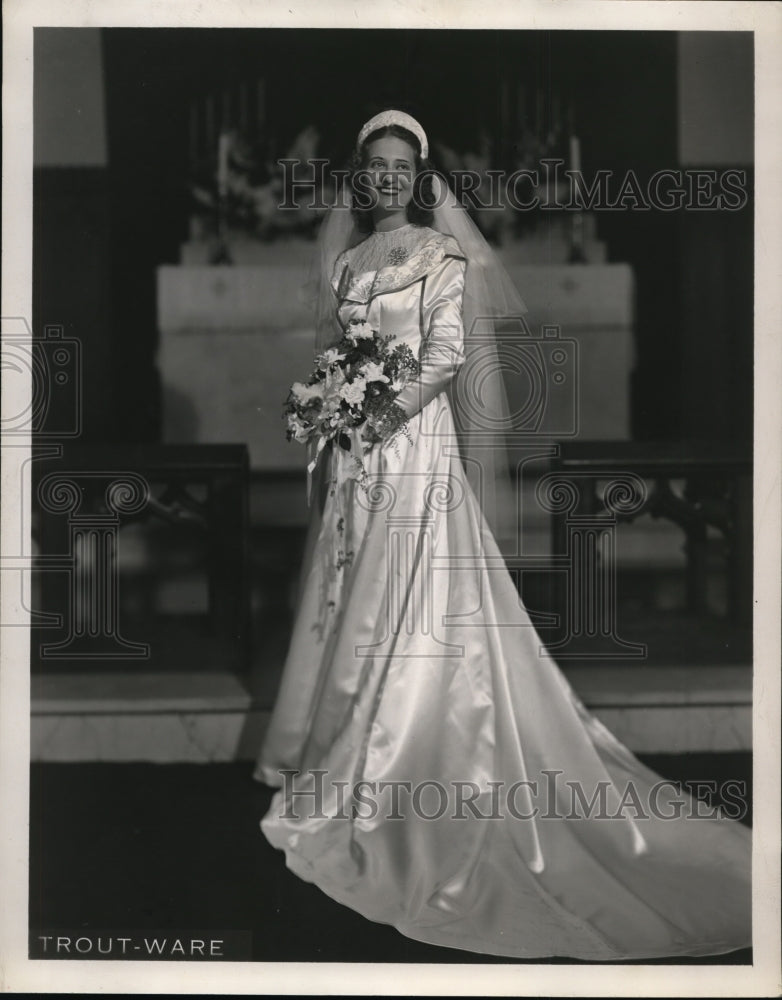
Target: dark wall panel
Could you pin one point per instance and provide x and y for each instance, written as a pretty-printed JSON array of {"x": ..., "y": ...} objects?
[{"x": 71, "y": 247}]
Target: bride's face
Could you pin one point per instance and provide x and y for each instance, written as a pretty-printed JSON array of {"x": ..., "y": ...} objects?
[{"x": 390, "y": 163}]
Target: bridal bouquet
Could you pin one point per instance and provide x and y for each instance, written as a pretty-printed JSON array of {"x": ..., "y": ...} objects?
[{"x": 350, "y": 396}]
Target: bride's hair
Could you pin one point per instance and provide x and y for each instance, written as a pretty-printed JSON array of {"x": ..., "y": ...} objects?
[{"x": 420, "y": 207}]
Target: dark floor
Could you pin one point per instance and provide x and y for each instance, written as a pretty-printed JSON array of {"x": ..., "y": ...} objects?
[{"x": 149, "y": 847}]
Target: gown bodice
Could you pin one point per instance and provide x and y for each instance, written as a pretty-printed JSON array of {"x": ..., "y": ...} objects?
[{"x": 416, "y": 300}]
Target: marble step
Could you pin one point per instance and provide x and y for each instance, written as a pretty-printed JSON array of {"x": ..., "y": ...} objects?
[{"x": 204, "y": 717}]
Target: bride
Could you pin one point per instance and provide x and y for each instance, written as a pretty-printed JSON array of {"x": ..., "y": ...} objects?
[{"x": 435, "y": 771}]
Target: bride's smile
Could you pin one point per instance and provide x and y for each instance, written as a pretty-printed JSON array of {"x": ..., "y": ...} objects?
[{"x": 390, "y": 163}]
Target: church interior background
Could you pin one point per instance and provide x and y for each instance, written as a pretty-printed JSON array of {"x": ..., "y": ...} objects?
[{"x": 158, "y": 247}]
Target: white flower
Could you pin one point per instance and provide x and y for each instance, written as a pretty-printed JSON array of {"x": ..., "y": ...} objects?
[
  {"x": 353, "y": 392},
  {"x": 372, "y": 371},
  {"x": 300, "y": 429},
  {"x": 399, "y": 382},
  {"x": 334, "y": 379},
  {"x": 332, "y": 399},
  {"x": 329, "y": 357},
  {"x": 306, "y": 393},
  {"x": 359, "y": 329}
]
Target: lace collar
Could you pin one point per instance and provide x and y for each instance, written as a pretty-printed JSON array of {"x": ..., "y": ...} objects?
[{"x": 367, "y": 284}]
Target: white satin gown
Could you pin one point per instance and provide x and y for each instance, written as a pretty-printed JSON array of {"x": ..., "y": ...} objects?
[{"x": 414, "y": 663}]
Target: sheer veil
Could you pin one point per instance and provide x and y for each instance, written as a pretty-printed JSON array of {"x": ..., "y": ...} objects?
[
  {"x": 493, "y": 316},
  {"x": 493, "y": 313}
]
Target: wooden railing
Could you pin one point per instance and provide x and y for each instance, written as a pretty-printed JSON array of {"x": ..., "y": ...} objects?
[
  {"x": 85, "y": 495},
  {"x": 594, "y": 486}
]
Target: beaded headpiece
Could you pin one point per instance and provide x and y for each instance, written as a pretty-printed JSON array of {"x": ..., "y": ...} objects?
[{"x": 394, "y": 118}]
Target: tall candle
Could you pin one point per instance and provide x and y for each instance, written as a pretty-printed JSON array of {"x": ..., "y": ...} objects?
[
  {"x": 210, "y": 121},
  {"x": 575, "y": 154},
  {"x": 223, "y": 149},
  {"x": 521, "y": 107},
  {"x": 243, "y": 105},
  {"x": 505, "y": 130},
  {"x": 261, "y": 104},
  {"x": 193, "y": 133}
]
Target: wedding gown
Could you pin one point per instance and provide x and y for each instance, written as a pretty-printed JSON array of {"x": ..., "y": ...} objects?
[{"x": 414, "y": 662}]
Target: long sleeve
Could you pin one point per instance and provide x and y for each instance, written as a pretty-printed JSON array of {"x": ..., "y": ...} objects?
[{"x": 442, "y": 351}]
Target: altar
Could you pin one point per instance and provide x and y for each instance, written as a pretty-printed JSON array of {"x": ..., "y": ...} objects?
[{"x": 234, "y": 337}]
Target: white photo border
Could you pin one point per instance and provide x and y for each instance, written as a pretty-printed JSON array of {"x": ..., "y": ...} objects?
[{"x": 17, "y": 972}]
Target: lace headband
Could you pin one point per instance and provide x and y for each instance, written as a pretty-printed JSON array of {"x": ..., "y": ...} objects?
[{"x": 394, "y": 118}]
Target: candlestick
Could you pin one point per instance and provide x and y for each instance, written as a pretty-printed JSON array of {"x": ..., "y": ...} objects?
[
  {"x": 505, "y": 136},
  {"x": 577, "y": 255},
  {"x": 210, "y": 121},
  {"x": 575, "y": 155},
  {"x": 261, "y": 104},
  {"x": 193, "y": 134},
  {"x": 220, "y": 253},
  {"x": 521, "y": 107},
  {"x": 538, "y": 113},
  {"x": 243, "y": 106},
  {"x": 223, "y": 150}
]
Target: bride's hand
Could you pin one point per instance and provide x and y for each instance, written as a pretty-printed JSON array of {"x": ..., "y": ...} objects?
[{"x": 369, "y": 434}]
